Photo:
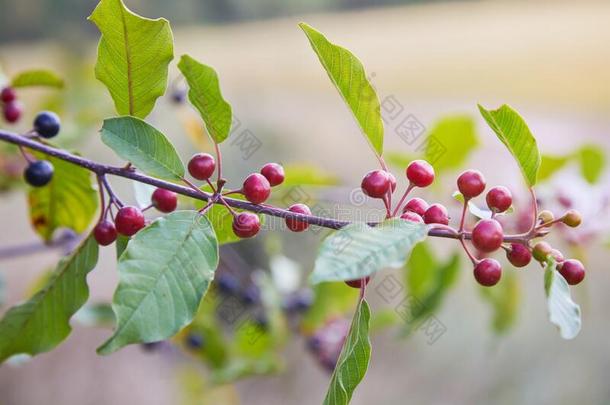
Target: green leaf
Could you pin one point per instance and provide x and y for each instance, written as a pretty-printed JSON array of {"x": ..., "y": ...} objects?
[
  {"x": 308, "y": 175},
  {"x": 163, "y": 274},
  {"x": 399, "y": 159},
  {"x": 592, "y": 162},
  {"x": 68, "y": 201},
  {"x": 428, "y": 282},
  {"x": 457, "y": 136},
  {"x": 205, "y": 95},
  {"x": 563, "y": 311},
  {"x": 38, "y": 77},
  {"x": 144, "y": 146},
  {"x": 348, "y": 75},
  {"x": 549, "y": 165},
  {"x": 353, "y": 360},
  {"x": 504, "y": 299},
  {"x": 121, "y": 244},
  {"x": 42, "y": 322},
  {"x": 331, "y": 300},
  {"x": 359, "y": 250},
  {"x": 133, "y": 56},
  {"x": 517, "y": 137}
]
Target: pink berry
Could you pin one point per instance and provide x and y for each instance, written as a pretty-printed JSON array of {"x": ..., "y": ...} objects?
[
  {"x": 246, "y": 224},
  {"x": 519, "y": 255},
  {"x": 487, "y": 235},
  {"x": 274, "y": 173},
  {"x": 376, "y": 183},
  {"x": 572, "y": 270},
  {"x": 12, "y": 111},
  {"x": 471, "y": 183},
  {"x": 499, "y": 199},
  {"x": 416, "y": 205},
  {"x": 294, "y": 224},
  {"x": 488, "y": 272},
  {"x": 256, "y": 188},
  {"x": 105, "y": 233},
  {"x": 129, "y": 220},
  {"x": 8, "y": 95},
  {"x": 202, "y": 166},
  {"x": 357, "y": 283},
  {"x": 436, "y": 214},
  {"x": 420, "y": 173},
  {"x": 412, "y": 217},
  {"x": 164, "y": 200}
]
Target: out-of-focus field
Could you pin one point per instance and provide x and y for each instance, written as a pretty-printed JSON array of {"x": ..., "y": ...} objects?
[{"x": 550, "y": 60}]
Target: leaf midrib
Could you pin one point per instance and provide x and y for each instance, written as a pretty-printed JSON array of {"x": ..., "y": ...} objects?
[{"x": 128, "y": 62}]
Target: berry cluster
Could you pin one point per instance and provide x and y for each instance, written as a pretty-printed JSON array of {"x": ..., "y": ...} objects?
[
  {"x": 39, "y": 173},
  {"x": 256, "y": 188},
  {"x": 11, "y": 107},
  {"x": 129, "y": 219},
  {"x": 487, "y": 235}
]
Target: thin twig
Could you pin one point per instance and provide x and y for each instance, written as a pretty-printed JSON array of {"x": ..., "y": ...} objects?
[{"x": 102, "y": 170}]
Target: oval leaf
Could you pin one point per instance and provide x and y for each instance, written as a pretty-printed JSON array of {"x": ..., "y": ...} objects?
[
  {"x": 41, "y": 323},
  {"x": 132, "y": 57},
  {"x": 563, "y": 312},
  {"x": 144, "y": 146},
  {"x": 205, "y": 95},
  {"x": 68, "y": 201},
  {"x": 37, "y": 77},
  {"x": 359, "y": 250},
  {"x": 512, "y": 130},
  {"x": 163, "y": 274},
  {"x": 592, "y": 162},
  {"x": 348, "y": 75},
  {"x": 353, "y": 360},
  {"x": 455, "y": 134}
]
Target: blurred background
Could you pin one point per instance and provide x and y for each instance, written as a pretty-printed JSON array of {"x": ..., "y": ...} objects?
[{"x": 431, "y": 63}]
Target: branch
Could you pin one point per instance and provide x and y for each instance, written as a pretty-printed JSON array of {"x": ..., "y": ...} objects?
[{"x": 101, "y": 169}]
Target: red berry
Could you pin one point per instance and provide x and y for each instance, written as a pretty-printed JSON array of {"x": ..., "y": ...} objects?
[
  {"x": 202, "y": 166},
  {"x": 436, "y": 214},
  {"x": 129, "y": 220},
  {"x": 487, "y": 235},
  {"x": 357, "y": 283},
  {"x": 572, "y": 270},
  {"x": 488, "y": 272},
  {"x": 256, "y": 188},
  {"x": 519, "y": 255},
  {"x": 392, "y": 182},
  {"x": 376, "y": 183},
  {"x": 8, "y": 95},
  {"x": 471, "y": 183},
  {"x": 412, "y": 216},
  {"x": 274, "y": 173},
  {"x": 420, "y": 173},
  {"x": 294, "y": 224},
  {"x": 105, "y": 233},
  {"x": 246, "y": 224},
  {"x": 12, "y": 111},
  {"x": 499, "y": 199},
  {"x": 164, "y": 200},
  {"x": 416, "y": 205}
]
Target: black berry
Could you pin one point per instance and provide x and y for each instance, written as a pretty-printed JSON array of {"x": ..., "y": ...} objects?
[
  {"x": 47, "y": 124},
  {"x": 38, "y": 173}
]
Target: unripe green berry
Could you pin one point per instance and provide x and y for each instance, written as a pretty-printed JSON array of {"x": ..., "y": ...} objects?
[
  {"x": 572, "y": 218},
  {"x": 541, "y": 251},
  {"x": 546, "y": 216}
]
